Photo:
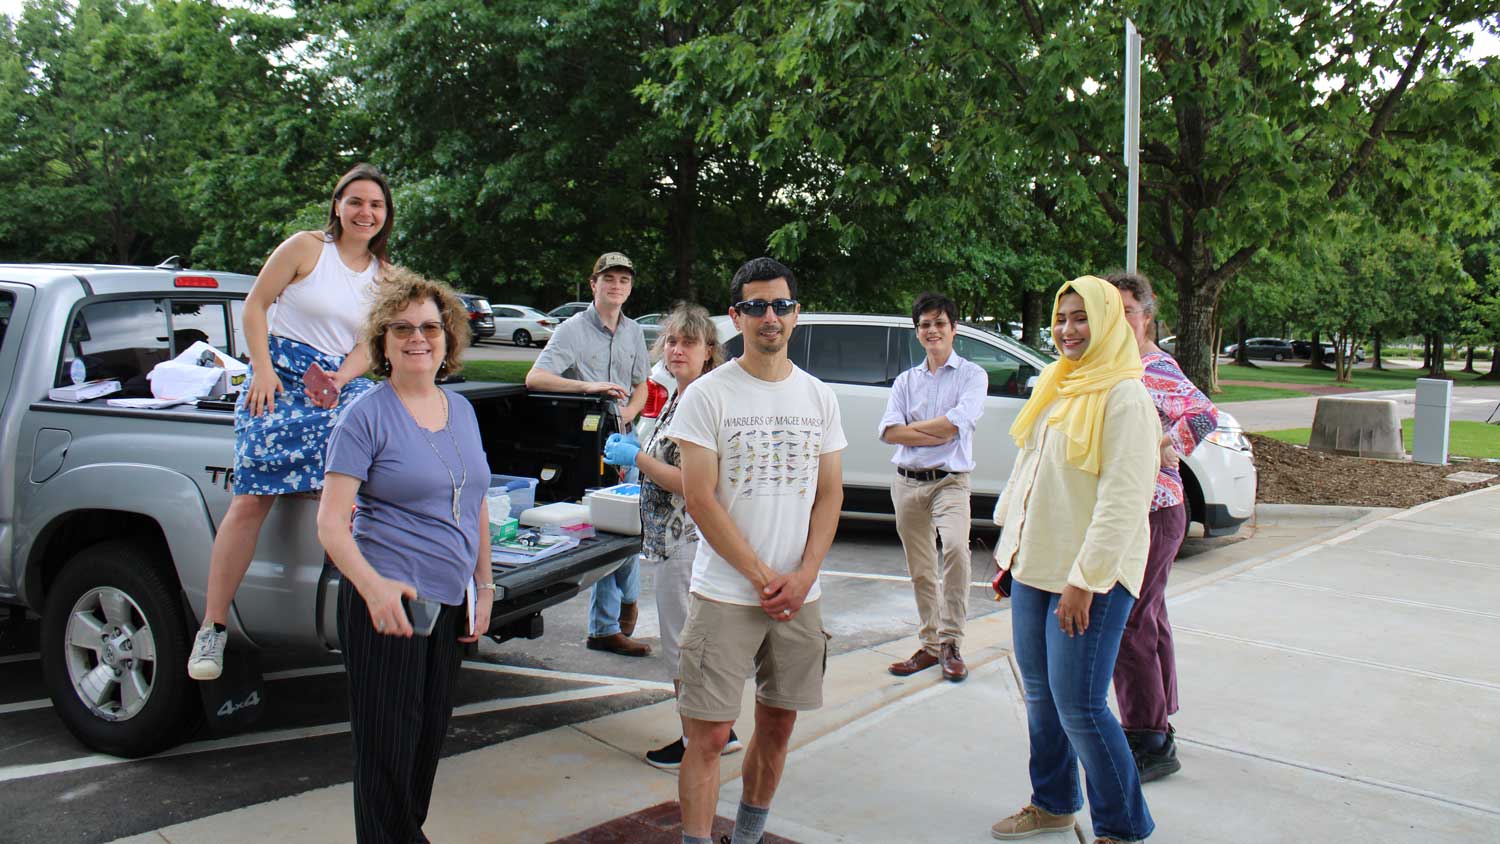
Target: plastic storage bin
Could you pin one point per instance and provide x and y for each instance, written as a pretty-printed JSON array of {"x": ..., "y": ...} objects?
[{"x": 522, "y": 491}]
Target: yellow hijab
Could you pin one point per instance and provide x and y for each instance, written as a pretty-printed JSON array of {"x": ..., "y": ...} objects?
[{"x": 1081, "y": 387}]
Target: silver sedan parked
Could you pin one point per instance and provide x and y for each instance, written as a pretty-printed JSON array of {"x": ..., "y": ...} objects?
[{"x": 522, "y": 325}]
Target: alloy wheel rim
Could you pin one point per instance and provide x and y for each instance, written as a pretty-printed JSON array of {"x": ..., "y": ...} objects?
[{"x": 110, "y": 653}]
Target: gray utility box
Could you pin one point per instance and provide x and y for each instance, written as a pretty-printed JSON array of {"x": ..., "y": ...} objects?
[{"x": 1430, "y": 428}]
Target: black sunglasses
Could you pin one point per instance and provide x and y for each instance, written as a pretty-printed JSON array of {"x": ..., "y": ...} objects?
[{"x": 757, "y": 307}]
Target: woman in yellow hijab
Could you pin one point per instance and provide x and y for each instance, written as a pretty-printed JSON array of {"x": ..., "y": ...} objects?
[{"x": 1074, "y": 544}]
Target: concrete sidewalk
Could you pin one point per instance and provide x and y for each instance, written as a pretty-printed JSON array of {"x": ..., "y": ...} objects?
[
  {"x": 1345, "y": 689},
  {"x": 1470, "y": 403}
]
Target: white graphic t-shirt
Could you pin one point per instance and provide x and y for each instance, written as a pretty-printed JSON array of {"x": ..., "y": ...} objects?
[{"x": 768, "y": 435}]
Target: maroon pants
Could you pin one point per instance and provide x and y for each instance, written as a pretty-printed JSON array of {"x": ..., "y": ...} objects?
[{"x": 1146, "y": 670}]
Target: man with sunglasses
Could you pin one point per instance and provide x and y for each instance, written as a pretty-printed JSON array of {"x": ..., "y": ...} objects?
[
  {"x": 761, "y": 448},
  {"x": 930, "y": 418},
  {"x": 601, "y": 351}
]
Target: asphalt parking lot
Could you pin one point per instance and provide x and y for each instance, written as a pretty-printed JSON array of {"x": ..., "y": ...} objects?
[{"x": 57, "y": 791}]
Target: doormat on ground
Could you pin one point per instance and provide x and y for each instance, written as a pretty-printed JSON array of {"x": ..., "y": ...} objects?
[{"x": 660, "y": 824}]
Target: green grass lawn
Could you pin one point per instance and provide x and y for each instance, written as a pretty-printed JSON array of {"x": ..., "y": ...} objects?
[
  {"x": 507, "y": 371},
  {"x": 1237, "y": 392},
  {"x": 1465, "y": 439},
  {"x": 1361, "y": 379}
]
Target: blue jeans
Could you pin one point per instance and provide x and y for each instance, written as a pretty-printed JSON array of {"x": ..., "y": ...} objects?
[
  {"x": 622, "y": 586},
  {"x": 1067, "y": 682}
]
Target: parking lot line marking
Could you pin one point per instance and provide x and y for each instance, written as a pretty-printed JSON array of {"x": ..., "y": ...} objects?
[
  {"x": 6, "y": 660},
  {"x": 895, "y": 578},
  {"x": 24, "y": 706},
  {"x": 1350, "y": 660},
  {"x": 520, "y": 671},
  {"x": 99, "y": 760},
  {"x": 295, "y": 673}
]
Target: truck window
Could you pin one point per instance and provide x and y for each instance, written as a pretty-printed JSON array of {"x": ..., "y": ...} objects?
[
  {"x": 195, "y": 321},
  {"x": 120, "y": 339}
]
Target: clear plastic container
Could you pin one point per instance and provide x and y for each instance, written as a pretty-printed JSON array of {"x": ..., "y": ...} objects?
[{"x": 522, "y": 492}]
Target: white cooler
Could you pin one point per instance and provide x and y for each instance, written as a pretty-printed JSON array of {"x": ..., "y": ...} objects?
[{"x": 616, "y": 509}]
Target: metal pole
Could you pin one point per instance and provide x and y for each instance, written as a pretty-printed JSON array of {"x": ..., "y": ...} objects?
[{"x": 1132, "y": 141}]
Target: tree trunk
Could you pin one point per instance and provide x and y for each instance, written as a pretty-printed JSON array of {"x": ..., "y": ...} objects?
[
  {"x": 1375, "y": 365},
  {"x": 1315, "y": 353},
  {"x": 682, "y": 211},
  {"x": 1494, "y": 373},
  {"x": 1426, "y": 351},
  {"x": 1439, "y": 366},
  {"x": 1469, "y": 360},
  {"x": 1241, "y": 334},
  {"x": 1033, "y": 303},
  {"x": 1195, "y": 307}
]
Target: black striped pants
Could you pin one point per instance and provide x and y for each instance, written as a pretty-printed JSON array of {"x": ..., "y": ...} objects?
[{"x": 400, "y": 699}]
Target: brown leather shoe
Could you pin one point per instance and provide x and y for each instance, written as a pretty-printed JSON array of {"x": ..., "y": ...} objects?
[
  {"x": 919, "y": 661},
  {"x": 628, "y": 615},
  {"x": 953, "y": 664},
  {"x": 619, "y": 643}
]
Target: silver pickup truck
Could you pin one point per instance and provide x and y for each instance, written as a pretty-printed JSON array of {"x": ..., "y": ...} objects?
[{"x": 107, "y": 514}]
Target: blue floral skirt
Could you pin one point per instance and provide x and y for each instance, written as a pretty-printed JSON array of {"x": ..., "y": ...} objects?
[{"x": 282, "y": 451}]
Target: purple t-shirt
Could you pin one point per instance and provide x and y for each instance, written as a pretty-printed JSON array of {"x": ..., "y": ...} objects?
[{"x": 404, "y": 525}]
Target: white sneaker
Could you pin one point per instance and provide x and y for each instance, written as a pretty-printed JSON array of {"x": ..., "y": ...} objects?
[{"x": 207, "y": 659}]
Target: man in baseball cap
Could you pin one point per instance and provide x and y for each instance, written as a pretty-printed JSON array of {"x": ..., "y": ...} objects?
[{"x": 603, "y": 352}]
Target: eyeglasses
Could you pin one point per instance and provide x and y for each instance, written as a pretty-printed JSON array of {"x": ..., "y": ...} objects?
[
  {"x": 405, "y": 330},
  {"x": 757, "y": 307}
]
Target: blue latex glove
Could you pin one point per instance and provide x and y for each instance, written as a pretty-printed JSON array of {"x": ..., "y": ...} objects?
[{"x": 621, "y": 449}]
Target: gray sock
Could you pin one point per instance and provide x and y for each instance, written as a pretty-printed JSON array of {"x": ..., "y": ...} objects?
[
  {"x": 693, "y": 839},
  {"x": 749, "y": 824}
]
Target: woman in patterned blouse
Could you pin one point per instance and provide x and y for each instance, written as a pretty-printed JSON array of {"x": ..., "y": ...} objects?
[
  {"x": 1146, "y": 670},
  {"x": 688, "y": 347}
]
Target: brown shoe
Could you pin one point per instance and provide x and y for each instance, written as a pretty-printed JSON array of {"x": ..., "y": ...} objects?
[
  {"x": 628, "y": 614},
  {"x": 919, "y": 661},
  {"x": 1028, "y": 822},
  {"x": 953, "y": 664},
  {"x": 619, "y": 643}
]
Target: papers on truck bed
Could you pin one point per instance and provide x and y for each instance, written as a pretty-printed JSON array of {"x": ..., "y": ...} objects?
[
  {"x": 85, "y": 391},
  {"x": 147, "y": 404},
  {"x": 200, "y": 370},
  {"x": 512, "y": 553}
]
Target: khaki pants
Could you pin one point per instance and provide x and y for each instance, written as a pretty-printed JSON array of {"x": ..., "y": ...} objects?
[{"x": 926, "y": 510}]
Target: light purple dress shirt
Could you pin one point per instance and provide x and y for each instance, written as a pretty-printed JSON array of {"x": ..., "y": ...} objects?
[{"x": 956, "y": 391}]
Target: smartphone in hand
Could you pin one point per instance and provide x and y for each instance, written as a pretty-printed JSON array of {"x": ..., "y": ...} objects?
[
  {"x": 320, "y": 387},
  {"x": 422, "y": 613}
]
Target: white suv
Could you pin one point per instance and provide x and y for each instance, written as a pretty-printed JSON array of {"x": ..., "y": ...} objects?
[{"x": 860, "y": 355}]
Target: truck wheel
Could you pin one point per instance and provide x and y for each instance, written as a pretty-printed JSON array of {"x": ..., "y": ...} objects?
[
  {"x": 522, "y": 337},
  {"x": 114, "y": 652}
]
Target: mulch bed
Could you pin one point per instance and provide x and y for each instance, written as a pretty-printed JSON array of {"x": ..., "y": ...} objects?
[{"x": 1289, "y": 474}]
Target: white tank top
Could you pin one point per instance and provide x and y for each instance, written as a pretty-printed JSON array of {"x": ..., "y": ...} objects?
[{"x": 326, "y": 309}]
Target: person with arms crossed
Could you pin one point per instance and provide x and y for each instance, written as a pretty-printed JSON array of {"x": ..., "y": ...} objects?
[
  {"x": 1146, "y": 671},
  {"x": 302, "y": 321},
  {"x": 409, "y": 454},
  {"x": 1074, "y": 543},
  {"x": 930, "y": 417},
  {"x": 761, "y": 444},
  {"x": 600, "y": 351}
]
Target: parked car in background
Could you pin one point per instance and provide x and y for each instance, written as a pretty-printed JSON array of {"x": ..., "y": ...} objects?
[
  {"x": 562, "y": 312},
  {"x": 651, "y": 327},
  {"x": 481, "y": 321},
  {"x": 860, "y": 355},
  {"x": 1330, "y": 351},
  {"x": 524, "y": 326},
  {"x": 1266, "y": 348}
]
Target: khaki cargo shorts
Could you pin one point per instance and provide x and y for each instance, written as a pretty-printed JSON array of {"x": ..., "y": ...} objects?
[{"x": 724, "y": 644}]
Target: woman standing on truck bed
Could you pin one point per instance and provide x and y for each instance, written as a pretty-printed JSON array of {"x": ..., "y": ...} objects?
[
  {"x": 322, "y": 285},
  {"x": 410, "y": 454}
]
